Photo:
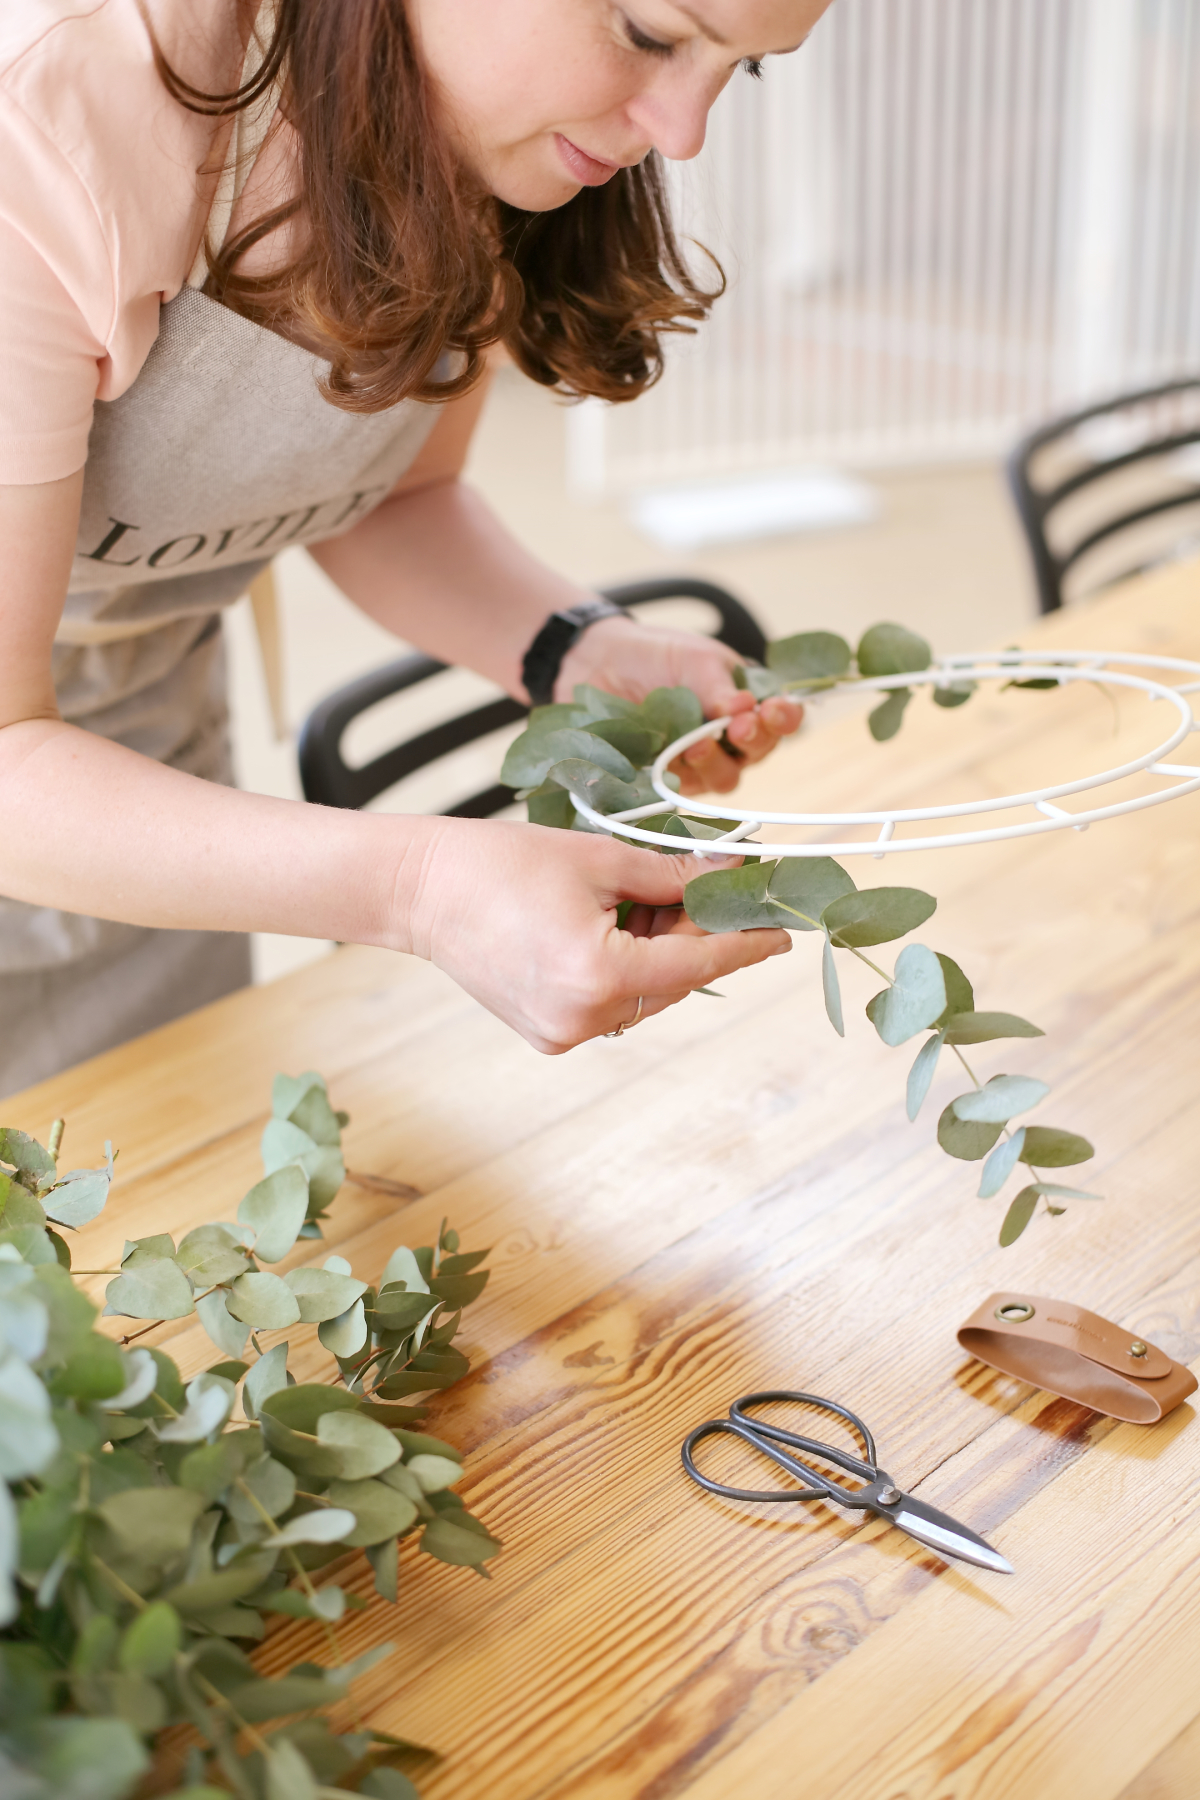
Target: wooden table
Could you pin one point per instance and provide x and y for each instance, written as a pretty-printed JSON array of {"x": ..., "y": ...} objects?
[{"x": 729, "y": 1197}]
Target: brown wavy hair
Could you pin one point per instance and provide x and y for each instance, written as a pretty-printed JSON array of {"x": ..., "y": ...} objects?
[{"x": 402, "y": 259}]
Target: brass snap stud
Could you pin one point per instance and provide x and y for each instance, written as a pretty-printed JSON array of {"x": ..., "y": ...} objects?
[
  {"x": 1137, "y": 1348},
  {"x": 1015, "y": 1312}
]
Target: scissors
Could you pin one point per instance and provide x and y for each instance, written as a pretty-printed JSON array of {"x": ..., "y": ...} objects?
[{"x": 879, "y": 1493}]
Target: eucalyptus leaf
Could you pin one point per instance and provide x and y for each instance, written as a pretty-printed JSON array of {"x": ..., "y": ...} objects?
[
  {"x": 731, "y": 899},
  {"x": 920, "y": 1076},
  {"x": 366, "y": 1449},
  {"x": 379, "y": 1511},
  {"x": 916, "y": 998},
  {"x": 807, "y": 885},
  {"x": 320, "y": 1294},
  {"x": 141, "y": 1377},
  {"x": 263, "y": 1300},
  {"x": 594, "y": 786},
  {"x": 211, "y": 1254},
  {"x": 533, "y": 755},
  {"x": 809, "y": 656},
  {"x": 637, "y": 743},
  {"x": 598, "y": 703},
  {"x": 954, "y": 693},
  {"x": 153, "y": 1524},
  {"x": 268, "y": 1376},
  {"x": 966, "y": 1139},
  {"x": 1067, "y": 1193},
  {"x": 1018, "y": 1216},
  {"x": 402, "y": 1265},
  {"x": 210, "y": 1401},
  {"x": 28, "y": 1438},
  {"x": 960, "y": 996},
  {"x": 831, "y": 987},
  {"x": 551, "y": 805},
  {"x": 274, "y": 1209},
  {"x": 434, "y": 1473},
  {"x": 888, "y": 649},
  {"x": 1001, "y": 1163},
  {"x": 885, "y": 720},
  {"x": 25, "y": 1154},
  {"x": 150, "y": 1287},
  {"x": 345, "y": 1335},
  {"x": 454, "y": 1541},
  {"x": 324, "y": 1525},
  {"x": 876, "y": 915},
  {"x": 152, "y": 1642},
  {"x": 672, "y": 711},
  {"x": 227, "y": 1333},
  {"x": 983, "y": 1027},
  {"x": 80, "y": 1196},
  {"x": 265, "y": 1486},
  {"x": 288, "y": 1776},
  {"x": 1001, "y": 1098},
  {"x": 1046, "y": 1147},
  {"x": 313, "y": 1113}
]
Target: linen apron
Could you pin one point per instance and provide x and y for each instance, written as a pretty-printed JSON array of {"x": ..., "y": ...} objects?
[{"x": 222, "y": 453}]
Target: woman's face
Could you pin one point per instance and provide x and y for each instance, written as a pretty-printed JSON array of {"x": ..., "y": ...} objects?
[{"x": 544, "y": 97}]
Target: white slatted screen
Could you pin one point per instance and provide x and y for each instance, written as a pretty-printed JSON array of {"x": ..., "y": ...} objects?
[{"x": 943, "y": 220}]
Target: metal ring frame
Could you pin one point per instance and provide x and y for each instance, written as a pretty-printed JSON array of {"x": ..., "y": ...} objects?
[{"x": 1066, "y": 666}]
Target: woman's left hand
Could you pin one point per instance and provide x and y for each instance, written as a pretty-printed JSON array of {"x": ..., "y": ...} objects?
[{"x": 626, "y": 658}]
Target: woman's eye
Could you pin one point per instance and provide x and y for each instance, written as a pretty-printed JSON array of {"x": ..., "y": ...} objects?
[
  {"x": 753, "y": 67},
  {"x": 641, "y": 41}
]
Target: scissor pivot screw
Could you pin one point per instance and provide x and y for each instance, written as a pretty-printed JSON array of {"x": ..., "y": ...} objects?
[
  {"x": 1137, "y": 1348},
  {"x": 888, "y": 1496}
]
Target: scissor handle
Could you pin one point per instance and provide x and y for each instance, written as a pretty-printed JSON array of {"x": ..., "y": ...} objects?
[
  {"x": 750, "y": 1435},
  {"x": 853, "y": 1465}
]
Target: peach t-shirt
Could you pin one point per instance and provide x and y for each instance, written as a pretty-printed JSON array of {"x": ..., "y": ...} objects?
[{"x": 105, "y": 187}]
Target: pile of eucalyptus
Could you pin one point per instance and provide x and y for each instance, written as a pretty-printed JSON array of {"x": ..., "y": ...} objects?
[
  {"x": 598, "y": 749},
  {"x": 146, "y": 1535}
]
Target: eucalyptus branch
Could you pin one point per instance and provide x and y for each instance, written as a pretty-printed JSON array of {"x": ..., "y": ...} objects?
[
  {"x": 365, "y": 1476},
  {"x": 597, "y": 749}
]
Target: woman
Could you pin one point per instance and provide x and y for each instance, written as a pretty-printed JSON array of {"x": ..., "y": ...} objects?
[{"x": 367, "y": 194}]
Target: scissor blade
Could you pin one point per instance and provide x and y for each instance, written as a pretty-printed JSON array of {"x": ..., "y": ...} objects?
[{"x": 945, "y": 1535}]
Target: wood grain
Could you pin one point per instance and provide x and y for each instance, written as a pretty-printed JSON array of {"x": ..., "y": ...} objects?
[{"x": 729, "y": 1197}]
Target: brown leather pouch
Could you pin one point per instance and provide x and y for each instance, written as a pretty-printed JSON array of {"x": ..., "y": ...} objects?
[{"x": 1069, "y": 1351}]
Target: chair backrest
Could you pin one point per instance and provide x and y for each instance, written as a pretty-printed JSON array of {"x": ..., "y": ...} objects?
[
  {"x": 1106, "y": 491},
  {"x": 328, "y": 780}
]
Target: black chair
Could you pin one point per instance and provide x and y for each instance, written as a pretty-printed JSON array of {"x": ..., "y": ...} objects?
[
  {"x": 328, "y": 780},
  {"x": 1103, "y": 493}
]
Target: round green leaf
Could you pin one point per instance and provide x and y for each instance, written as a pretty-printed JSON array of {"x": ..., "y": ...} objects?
[
  {"x": 434, "y": 1472},
  {"x": 454, "y": 1542},
  {"x": 1001, "y": 1163},
  {"x": 28, "y": 1438},
  {"x": 1018, "y": 1216},
  {"x": 886, "y": 719},
  {"x": 876, "y": 915},
  {"x": 1048, "y": 1148},
  {"x": 983, "y": 1027},
  {"x": 891, "y": 650},
  {"x": 150, "y": 1287},
  {"x": 366, "y": 1448},
  {"x": 345, "y": 1335},
  {"x": 266, "y": 1481},
  {"x": 1001, "y": 1098},
  {"x": 332, "y": 1524},
  {"x": 920, "y": 1076},
  {"x": 210, "y": 1401},
  {"x": 963, "y": 1138},
  {"x": 226, "y": 1332},
  {"x": 380, "y": 1512},
  {"x": 916, "y": 998},
  {"x": 730, "y": 899},
  {"x": 263, "y": 1300},
  {"x": 274, "y": 1209},
  {"x": 807, "y": 884},
  {"x": 960, "y": 996},
  {"x": 321, "y": 1294},
  {"x": 809, "y": 656},
  {"x": 530, "y": 759},
  {"x": 152, "y": 1641}
]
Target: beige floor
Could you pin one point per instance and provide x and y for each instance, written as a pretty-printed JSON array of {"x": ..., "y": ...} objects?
[{"x": 944, "y": 557}]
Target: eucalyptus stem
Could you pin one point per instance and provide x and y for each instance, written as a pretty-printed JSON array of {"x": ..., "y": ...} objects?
[{"x": 54, "y": 1141}]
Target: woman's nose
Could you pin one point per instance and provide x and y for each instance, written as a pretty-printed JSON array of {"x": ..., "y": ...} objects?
[{"x": 674, "y": 117}]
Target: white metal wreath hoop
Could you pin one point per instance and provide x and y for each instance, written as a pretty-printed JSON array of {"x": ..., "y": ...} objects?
[{"x": 1065, "y": 666}]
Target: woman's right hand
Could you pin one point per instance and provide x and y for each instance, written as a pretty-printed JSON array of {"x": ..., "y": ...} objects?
[{"x": 524, "y": 918}]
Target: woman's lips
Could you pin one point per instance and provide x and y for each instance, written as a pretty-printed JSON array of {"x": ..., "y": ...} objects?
[{"x": 587, "y": 169}]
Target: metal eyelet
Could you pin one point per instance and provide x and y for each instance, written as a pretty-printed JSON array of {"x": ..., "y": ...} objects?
[{"x": 1015, "y": 1312}]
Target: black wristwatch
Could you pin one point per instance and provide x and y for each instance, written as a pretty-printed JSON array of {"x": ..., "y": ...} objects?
[{"x": 544, "y": 657}]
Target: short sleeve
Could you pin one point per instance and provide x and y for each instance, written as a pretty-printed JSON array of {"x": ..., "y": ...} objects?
[{"x": 49, "y": 368}]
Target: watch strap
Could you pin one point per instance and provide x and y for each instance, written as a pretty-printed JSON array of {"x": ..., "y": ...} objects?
[{"x": 544, "y": 657}]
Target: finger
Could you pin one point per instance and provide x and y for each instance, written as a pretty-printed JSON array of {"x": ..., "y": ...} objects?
[
  {"x": 676, "y": 963},
  {"x": 755, "y": 735},
  {"x": 707, "y": 768}
]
